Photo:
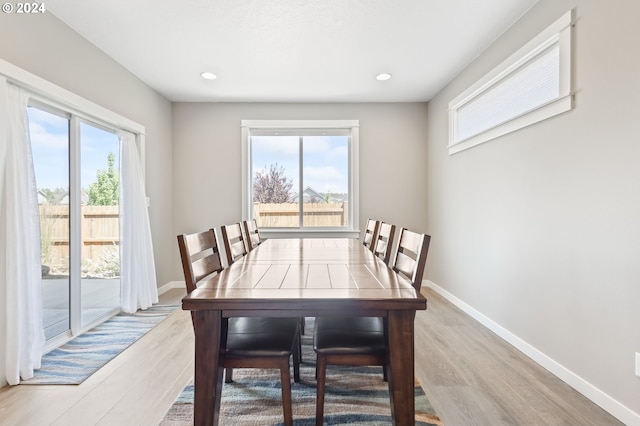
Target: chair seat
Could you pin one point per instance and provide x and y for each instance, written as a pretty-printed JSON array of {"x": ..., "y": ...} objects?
[
  {"x": 261, "y": 337},
  {"x": 349, "y": 336}
]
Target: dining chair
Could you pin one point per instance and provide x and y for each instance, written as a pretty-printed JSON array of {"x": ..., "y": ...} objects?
[
  {"x": 362, "y": 341},
  {"x": 383, "y": 242},
  {"x": 251, "y": 342},
  {"x": 252, "y": 234},
  {"x": 370, "y": 233},
  {"x": 233, "y": 242}
]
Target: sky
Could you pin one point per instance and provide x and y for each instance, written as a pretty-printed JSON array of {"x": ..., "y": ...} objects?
[
  {"x": 49, "y": 135},
  {"x": 325, "y": 160}
]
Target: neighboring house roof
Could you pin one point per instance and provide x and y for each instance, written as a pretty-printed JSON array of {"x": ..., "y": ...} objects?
[
  {"x": 84, "y": 199},
  {"x": 310, "y": 195},
  {"x": 338, "y": 198},
  {"x": 42, "y": 199},
  {"x": 61, "y": 197}
]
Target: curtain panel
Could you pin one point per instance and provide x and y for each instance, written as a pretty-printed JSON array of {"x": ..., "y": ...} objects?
[
  {"x": 22, "y": 276},
  {"x": 138, "y": 285}
]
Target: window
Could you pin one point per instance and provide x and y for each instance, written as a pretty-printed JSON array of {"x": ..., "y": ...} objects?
[
  {"x": 531, "y": 85},
  {"x": 301, "y": 175}
]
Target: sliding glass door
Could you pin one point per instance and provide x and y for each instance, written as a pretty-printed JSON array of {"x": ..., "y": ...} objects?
[{"x": 77, "y": 175}]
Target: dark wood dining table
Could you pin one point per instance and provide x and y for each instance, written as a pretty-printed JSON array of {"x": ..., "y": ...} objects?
[{"x": 307, "y": 277}]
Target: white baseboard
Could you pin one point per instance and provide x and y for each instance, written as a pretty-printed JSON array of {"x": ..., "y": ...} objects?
[
  {"x": 170, "y": 285},
  {"x": 612, "y": 406}
]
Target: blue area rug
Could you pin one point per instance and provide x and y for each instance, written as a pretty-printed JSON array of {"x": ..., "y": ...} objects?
[
  {"x": 79, "y": 358},
  {"x": 354, "y": 396}
]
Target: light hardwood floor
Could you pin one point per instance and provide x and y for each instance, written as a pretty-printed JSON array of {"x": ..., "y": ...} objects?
[{"x": 471, "y": 376}]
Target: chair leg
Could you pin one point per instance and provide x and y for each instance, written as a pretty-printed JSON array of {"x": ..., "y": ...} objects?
[
  {"x": 321, "y": 375},
  {"x": 228, "y": 375},
  {"x": 285, "y": 379},
  {"x": 384, "y": 373},
  {"x": 297, "y": 357}
]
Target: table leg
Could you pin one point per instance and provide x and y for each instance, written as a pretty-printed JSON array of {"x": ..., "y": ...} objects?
[
  {"x": 208, "y": 371},
  {"x": 401, "y": 363}
]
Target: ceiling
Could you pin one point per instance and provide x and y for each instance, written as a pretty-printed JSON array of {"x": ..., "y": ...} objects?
[{"x": 292, "y": 50}]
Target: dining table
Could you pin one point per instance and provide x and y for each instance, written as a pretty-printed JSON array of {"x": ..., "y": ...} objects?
[{"x": 304, "y": 277}]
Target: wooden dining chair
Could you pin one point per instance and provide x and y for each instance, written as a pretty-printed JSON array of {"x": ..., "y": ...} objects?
[
  {"x": 383, "y": 242},
  {"x": 252, "y": 342},
  {"x": 362, "y": 341},
  {"x": 233, "y": 242},
  {"x": 252, "y": 234},
  {"x": 370, "y": 233}
]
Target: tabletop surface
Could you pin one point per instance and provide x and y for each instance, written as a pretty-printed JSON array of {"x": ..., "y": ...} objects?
[{"x": 305, "y": 272}]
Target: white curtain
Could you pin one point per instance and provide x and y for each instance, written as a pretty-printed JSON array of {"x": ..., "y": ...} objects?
[
  {"x": 138, "y": 288},
  {"x": 22, "y": 271}
]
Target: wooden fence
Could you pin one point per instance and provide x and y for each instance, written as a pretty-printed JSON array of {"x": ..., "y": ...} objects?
[
  {"x": 99, "y": 227},
  {"x": 285, "y": 215},
  {"x": 101, "y": 236}
]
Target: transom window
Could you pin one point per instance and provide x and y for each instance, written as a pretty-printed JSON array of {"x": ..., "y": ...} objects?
[
  {"x": 530, "y": 86},
  {"x": 301, "y": 175}
]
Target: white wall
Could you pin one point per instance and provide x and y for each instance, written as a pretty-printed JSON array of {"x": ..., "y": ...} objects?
[
  {"x": 44, "y": 46},
  {"x": 539, "y": 230},
  {"x": 207, "y": 160}
]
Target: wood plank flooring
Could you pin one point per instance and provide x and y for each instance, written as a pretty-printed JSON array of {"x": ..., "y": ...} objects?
[{"x": 471, "y": 376}]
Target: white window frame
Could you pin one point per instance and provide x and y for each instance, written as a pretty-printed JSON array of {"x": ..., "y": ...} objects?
[
  {"x": 559, "y": 33},
  {"x": 350, "y": 231}
]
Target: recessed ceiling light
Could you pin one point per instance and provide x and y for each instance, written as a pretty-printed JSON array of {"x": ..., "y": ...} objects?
[
  {"x": 208, "y": 76},
  {"x": 384, "y": 76}
]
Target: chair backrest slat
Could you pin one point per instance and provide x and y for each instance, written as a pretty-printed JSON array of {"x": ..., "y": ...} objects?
[
  {"x": 233, "y": 242},
  {"x": 204, "y": 267},
  {"x": 411, "y": 256}
]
